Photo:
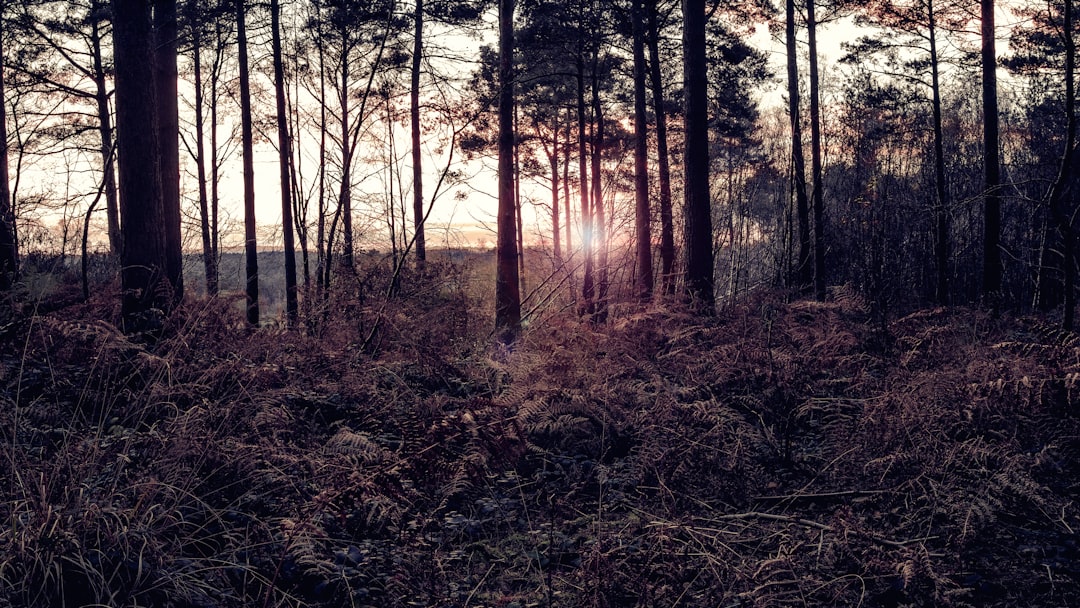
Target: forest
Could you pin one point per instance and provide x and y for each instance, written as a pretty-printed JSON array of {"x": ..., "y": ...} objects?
[{"x": 772, "y": 304}]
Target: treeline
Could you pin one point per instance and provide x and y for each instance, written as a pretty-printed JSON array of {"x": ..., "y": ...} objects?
[{"x": 634, "y": 128}]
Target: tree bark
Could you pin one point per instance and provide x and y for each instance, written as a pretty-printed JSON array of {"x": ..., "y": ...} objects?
[
  {"x": 803, "y": 267},
  {"x": 588, "y": 288},
  {"x": 9, "y": 253},
  {"x": 642, "y": 218},
  {"x": 345, "y": 192},
  {"x": 1062, "y": 226},
  {"x": 168, "y": 126},
  {"x": 667, "y": 222},
  {"x": 414, "y": 117},
  {"x": 251, "y": 250},
  {"x": 143, "y": 257},
  {"x": 105, "y": 131},
  {"x": 696, "y": 195},
  {"x": 941, "y": 209},
  {"x": 599, "y": 216},
  {"x": 507, "y": 291},
  {"x": 284, "y": 160},
  {"x": 817, "y": 200},
  {"x": 992, "y": 267},
  {"x": 209, "y": 257}
]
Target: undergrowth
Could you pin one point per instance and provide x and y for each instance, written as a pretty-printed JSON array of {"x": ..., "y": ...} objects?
[{"x": 781, "y": 454}]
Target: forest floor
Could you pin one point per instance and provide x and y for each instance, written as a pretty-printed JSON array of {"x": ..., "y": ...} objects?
[{"x": 780, "y": 454}]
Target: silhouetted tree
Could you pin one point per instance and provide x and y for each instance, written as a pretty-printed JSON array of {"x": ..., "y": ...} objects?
[
  {"x": 143, "y": 278},
  {"x": 507, "y": 286},
  {"x": 696, "y": 197}
]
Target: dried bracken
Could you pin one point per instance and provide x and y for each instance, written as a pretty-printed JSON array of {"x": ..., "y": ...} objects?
[{"x": 782, "y": 454}]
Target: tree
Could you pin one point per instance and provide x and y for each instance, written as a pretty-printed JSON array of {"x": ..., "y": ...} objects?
[
  {"x": 284, "y": 163},
  {"x": 251, "y": 249},
  {"x": 143, "y": 255},
  {"x": 168, "y": 139},
  {"x": 507, "y": 285},
  {"x": 642, "y": 220},
  {"x": 9, "y": 252},
  {"x": 817, "y": 200},
  {"x": 697, "y": 207},
  {"x": 803, "y": 266},
  {"x": 667, "y": 229},
  {"x": 992, "y": 268},
  {"x": 414, "y": 120}
]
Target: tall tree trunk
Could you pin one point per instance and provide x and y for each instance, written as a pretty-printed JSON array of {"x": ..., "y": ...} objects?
[
  {"x": 517, "y": 208},
  {"x": 642, "y": 218},
  {"x": 251, "y": 249},
  {"x": 1061, "y": 215},
  {"x": 105, "y": 132},
  {"x": 9, "y": 253},
  {"x": 143, "y": 257},
  {"x": 804, "y": 270},
  {"x": 209, "y": 258},
  {"x": 667, "y": 221},
  {"x": 588, "y": 288},
  {"x": 168, "y": 125},
  {"x": 815, "y": 157},
  {"x": 553, "y": 159},
  {"x": 696, "y": 197},
  {"x": 345, "y": 193},
  {"x": 941, "y": 209},
  {"x": 284, "y": 162},
  {"x": 215, "y": 160},
  {"x": 414, "y": 117},
  {"x": 322, "y": 273},
  {"x": 992, "y": 268},
  {"x": 507, "y": 293},
  {"x": 567, "y": 245},
  {"x": 599, "y": 216}
]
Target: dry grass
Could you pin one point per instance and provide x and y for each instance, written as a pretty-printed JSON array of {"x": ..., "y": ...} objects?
[{"x": 784, "y": 454}]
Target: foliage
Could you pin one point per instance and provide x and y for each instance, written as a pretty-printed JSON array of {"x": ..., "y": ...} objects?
[{"x": 779, "y": 454}]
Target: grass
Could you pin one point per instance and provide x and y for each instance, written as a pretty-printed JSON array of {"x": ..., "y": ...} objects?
[{"x": 781, "y": 454}]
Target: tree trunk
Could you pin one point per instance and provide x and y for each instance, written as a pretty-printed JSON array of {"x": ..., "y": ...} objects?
[
  {"x": 168, "y": 125},
  {"x": 507, "y": 293},
  {"x": 992, "y": 268},
  {"x": 696, "y": 196},
  {"x": 209, "y": 258},
  {"x": 553, "y": 159},
  {"x": 105, "y": 131},
  {"x": 599, "y": 216},
  {"x": 251, "y": 250},
  {"x": 568, "y": 244},
  {"x": 588, "y": 288},
  {"x": 220, "y": 45},
  {"x": 667, "y": 221},
  {"x": 642, "y": 219},
  {"x": 345, "y": 193},
  {"x": 815, "y": 157},
  {"x": 414, "y": 117},
  {"x": 9, "y": 252},
  {"x": 284, "y": 160},
  {"x": 143, "y": 257},
  {"x": 941, "y": 209},
  {"x": 804, "y": 270},
  {"x": 1061, "y": 215}
]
